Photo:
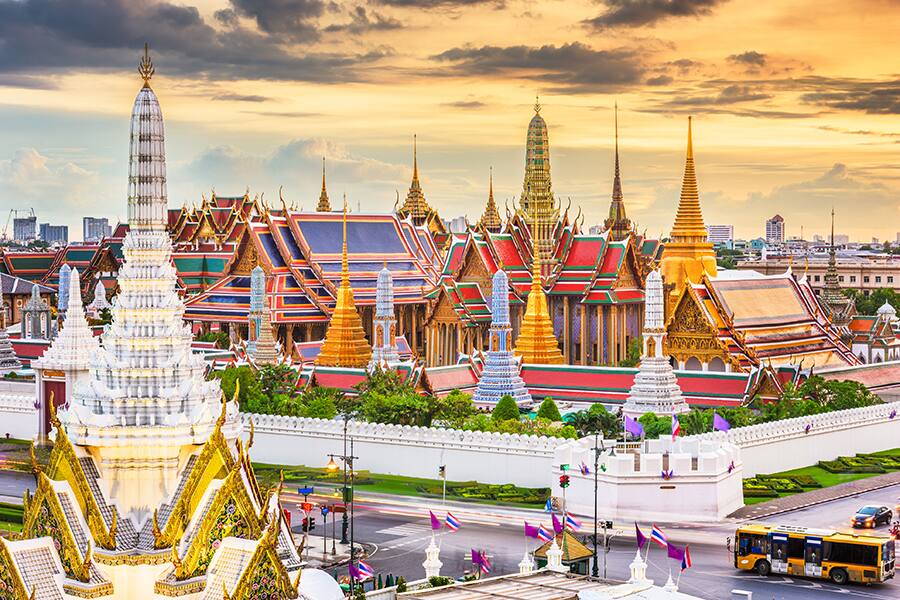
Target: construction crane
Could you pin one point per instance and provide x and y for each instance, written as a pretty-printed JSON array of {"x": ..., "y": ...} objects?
[{"x": 14, "y": 214}]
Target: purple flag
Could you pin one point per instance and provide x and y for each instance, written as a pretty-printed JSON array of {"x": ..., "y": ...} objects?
[
  {"x": 530, "y": 530},
  {"x": 354, "y": 572},
  {"x": 476, "y": 557},
  {"x": 641, "y": 538},
  {"x": 557, "y": 525},
  {"x": 719, "y": 423},
  {"x": 435, "y": 522},
  {"x": 675, "y": 552},
  {"x": 633, "y": 427}
]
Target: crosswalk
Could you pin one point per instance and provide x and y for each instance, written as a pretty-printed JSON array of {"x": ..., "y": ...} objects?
[{"x": 407, "y": 529}]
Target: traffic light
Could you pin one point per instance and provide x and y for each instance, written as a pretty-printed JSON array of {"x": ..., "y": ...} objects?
[
  {"x": 442, "y": 471},
  {"x": 308, "y": 524},
  {"x": 564, "y": 481}
]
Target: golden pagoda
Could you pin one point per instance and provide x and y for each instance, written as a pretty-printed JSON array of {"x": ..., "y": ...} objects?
[
  {"x": 416, "y": 207},
  {"x": 324, "y": 204},
  {"x": 490, "y": 220},
  {"x": 536, "y": 343},
  {"x": 688, "y": 255},
  {"x": 345, "y": 342}
]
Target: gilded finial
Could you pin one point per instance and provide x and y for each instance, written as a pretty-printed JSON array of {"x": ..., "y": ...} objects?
[
  {"x": 297, "y": 583},
  {"x": 146, "y": 68},
  {"x": 54, "y": 421},
  {"x": 33, "y": 595},
  {"x": 252, "y": 434},
  {"x": 225, "y": 594},
  {"x": 237, "y": 393},
  {"x": 280, "y": 482},
  {"x": 537, "y": 104},
  {"x": 35, "y": 467},
  {"x": 157, "y": 533},
  {"x": 415, "y": 159},
  {"x": 345, "y": 266},
  {"x": 113, "y": 526},
  {"x": 86, "y": 565},
  {"x": 221, "y": 420},
  {"x": 173, "y": 555},
  {"x": 690, "y": 144}
]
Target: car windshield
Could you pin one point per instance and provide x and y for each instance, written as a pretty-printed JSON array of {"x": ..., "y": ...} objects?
[{"x": 867, "y": 510}]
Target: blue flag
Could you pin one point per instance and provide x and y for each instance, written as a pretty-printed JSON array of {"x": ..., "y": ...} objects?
[
  {"x": 719, "y": 423},
  {"x": 548, "y": 508}
]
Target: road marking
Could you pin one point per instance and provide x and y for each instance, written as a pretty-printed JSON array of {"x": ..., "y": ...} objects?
[{"x": 405, "y": 530}]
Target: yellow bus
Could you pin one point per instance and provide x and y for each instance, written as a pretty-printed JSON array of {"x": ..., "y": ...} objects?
[{"x": 804, "y": 552}]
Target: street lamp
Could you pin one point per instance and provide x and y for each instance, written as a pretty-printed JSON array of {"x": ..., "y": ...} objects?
[
  {"x": 346, "y": 520},
  {"x": 598, "y": 447}
]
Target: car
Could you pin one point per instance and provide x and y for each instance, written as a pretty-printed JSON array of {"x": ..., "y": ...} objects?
[{"x": 871, "y": 516}]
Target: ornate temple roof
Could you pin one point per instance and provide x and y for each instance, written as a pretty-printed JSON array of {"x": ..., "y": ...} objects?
[
  {"x": 324, "y": 204},
  {"x": 538, "y": 207},
  {"x": 490, "y": 219}
]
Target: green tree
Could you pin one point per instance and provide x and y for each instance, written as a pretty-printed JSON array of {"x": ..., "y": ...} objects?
[
  {"x": 632, "y": 353},
  {"x": 655, "y": 426},
  {"x": 506, "y": 409},
  {"x": 251, "y": 399},
  {"x": 321, "y": 402},
  {"x": 452, "y": 409},
  {"x": 548, "y": 410},
  {"x": 401, "y": 584},
  {"x": 277, "y": 379},
  {"x": 384, "y": 397}
]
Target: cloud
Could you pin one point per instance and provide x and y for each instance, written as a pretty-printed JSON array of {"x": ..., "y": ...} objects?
[
  {"x": 431, "y": 4},
  {"x": 731, "y": 94},
  {"x": 360, "y": 22},
  {"x": 295, "y": 19},
  {"x": 241, "y": 97},
  {"x": 874, "y": 97},
  {"x": 572, "y": 68},
  {"x": 466, "y": 104},
  {"x": 638, "y": 13},
  {"x": 27, "y": 82},
  {"x": 660, "y": 80},
  {"x": 41, "y": 36},
  {"x": 750, "y": 58},
  {"x": 51, "y": 186}
]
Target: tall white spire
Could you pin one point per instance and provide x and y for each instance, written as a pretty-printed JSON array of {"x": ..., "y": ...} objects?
[
  {"x": 75, "y": 345},
  {"x": 384, "y": 344}
]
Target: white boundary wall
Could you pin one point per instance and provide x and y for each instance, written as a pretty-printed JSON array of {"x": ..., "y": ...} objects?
[
  {"x": 786, "y": 444},
  {"x": 522, "y": 460},
  {"x": 18, "y": 416}
]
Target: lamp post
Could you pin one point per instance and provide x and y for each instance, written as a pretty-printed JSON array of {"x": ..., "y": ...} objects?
[
  {"x": 347, "y": 520},
  {"x": 595, "y": 569}
]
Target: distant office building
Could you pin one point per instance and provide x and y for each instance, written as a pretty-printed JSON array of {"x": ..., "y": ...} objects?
[
  {"x": 775, "y": 231},
  {"x": 55, "y": 234},
  {"x": 818, "y": 239},
  {"x": 840, "y": 239},
  {"x": 95, "y": 229},
  {"x": 457, "y": 224},
  {"x": 720, "y": 235},
  {"x": 25, "y": 229}
]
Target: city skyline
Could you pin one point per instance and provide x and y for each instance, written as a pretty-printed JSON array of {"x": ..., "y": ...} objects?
[{"x": 781, "y": 125}]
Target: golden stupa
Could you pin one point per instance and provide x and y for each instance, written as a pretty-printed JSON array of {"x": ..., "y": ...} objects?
[
  {"x": 324, "y": 204},
  {"x": 490, "y": 220},
  {"x": 536, "y": 343},
  {"x": 688, "y": 255},
  {"x": 345, "y": 342}
]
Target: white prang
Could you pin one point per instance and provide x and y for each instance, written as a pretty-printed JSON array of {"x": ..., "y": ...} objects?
[
  {"x": 75, "y": 346},
  {"x": 384, "y": 344},
  {"x": 100, "y": 302},
  {"x": 147, "y": 396},
  {"x": 655, "y": 387}
]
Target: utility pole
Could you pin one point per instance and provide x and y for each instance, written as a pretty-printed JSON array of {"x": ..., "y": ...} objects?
[{"x": 595, "y": 571}]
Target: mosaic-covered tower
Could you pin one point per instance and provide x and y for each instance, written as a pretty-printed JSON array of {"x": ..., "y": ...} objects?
[
  {"x": 257, "y": 305},
  {"x": 62, "y": 294},
  {"x": 655, "y": 387},
  {"x": 500, "y": 376},
  {"x": 8, "y": 359},
  {"x": 384, "y": 344}
]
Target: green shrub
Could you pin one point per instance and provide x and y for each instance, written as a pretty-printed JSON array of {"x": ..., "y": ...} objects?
[
  {"x": 439, "y": 581},
  {"x": 505, "y": 410},
  {"x": 548, "y": 410}
]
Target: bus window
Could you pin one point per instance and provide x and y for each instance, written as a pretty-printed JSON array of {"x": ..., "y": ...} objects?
[
  {"x": 853, "y": 554},
  {"x": 795, "y": 547},
  {"x": 752, "y": 544},
  {"x": 887, "y": 552}
]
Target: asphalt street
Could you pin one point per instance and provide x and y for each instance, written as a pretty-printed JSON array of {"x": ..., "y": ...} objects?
[{"x": 398, "y": 531}]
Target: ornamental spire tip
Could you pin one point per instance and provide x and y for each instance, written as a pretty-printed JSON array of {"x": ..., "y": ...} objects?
[{"x": 146, "y": 68}]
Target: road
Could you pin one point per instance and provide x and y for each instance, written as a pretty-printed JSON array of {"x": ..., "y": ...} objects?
[{"x": 399, "y": 531}]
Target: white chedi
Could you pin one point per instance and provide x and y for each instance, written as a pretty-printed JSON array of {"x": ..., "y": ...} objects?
[
  {"x": 75, "y": 346},
  {"x": 384, "y": 326},
  {"x": 655, "y": 388},
  {"x": 147, "y": 397}
]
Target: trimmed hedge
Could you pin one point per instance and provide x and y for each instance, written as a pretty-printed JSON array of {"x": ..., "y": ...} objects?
[
  {"x": 11, "y": 513},
  {"x": 472, "y": 490},
  {"x": 772, "y": 486},
  {"x": 862, "y": 463}
]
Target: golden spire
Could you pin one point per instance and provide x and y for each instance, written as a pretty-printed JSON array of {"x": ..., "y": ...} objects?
[
  {"x": 415, "y": 161},
  {"x": 689, "y": 225},
  {"x": 345, "y": 342},
  {"x": 536, "y": 343},
  {"x": 324, "y": 203},
  {"x": 415, "y": 205},
  {"x": 617, "y": 222},
  {"x": 146, "y": 69},
  {"x": 537, "y": 104},
  {"x": 490, "y": 220}
]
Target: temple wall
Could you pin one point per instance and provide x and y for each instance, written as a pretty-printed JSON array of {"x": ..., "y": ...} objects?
[
  {"x": 705, "y": 484},
  {"x": 403, "y": 450},
  {"x": 18, "y": 417},
  {"x": 786, "y": 444}
]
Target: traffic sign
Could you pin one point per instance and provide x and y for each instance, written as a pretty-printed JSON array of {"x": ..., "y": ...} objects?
[
  {"x": 324, "y": 511},
  {"x": 306, "y": 506},
  {"x": 305, "y": 491}
]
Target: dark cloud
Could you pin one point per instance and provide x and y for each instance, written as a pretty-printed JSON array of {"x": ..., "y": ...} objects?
[
  {"x": 360, "y": 22},
  {"x": 60, "y": 35},
  {"x": 241, "y": 98},
  {"x": 284, "y": 114},
  {"x": 885, "y": 134},
  {"x": 660, "y": 80},
  {"x": 573, "y": 68},
  {"x": 874, "y": 97},
  {"x": 731, "y": 94},
  {"x": 750, "y": 58},
  {"x": 637, "y": 13},
  {"x": 28, "y": 82},
  {"x": 684, "y": 64},
  {"x": 293, "y": 18},
  {"x": 466, "y": 104},
  {"x": 428, "y": 4}
]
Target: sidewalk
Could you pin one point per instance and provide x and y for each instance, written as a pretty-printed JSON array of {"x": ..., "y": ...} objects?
[
  {"x": 813, "y": 497},
  {"x": 324, "y": 553}
]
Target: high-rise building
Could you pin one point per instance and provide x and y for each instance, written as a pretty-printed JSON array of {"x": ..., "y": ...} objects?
[
  {"x": 720, "y": 235},
  {"x": 775, "y": 231},
  {"x": 840, "y": 239},
  {"x": 55, "y": 234},
  {"x": 24, "y": 229},
  {"x": 95, "y": 229}
]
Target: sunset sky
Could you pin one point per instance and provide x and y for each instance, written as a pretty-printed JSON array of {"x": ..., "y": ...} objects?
[{"x": 796, "y": 104}]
